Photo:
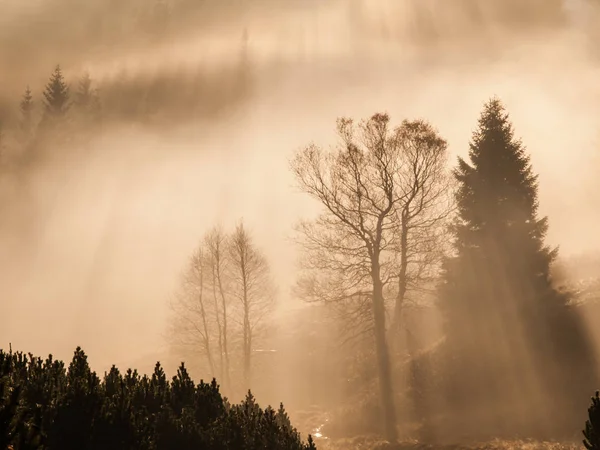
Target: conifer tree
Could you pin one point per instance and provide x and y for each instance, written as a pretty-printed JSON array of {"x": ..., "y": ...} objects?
[
  {"x": 497, "y": 206},
  {"x": 9, "y": 412},
  {"x": 244, "y": 75},
  {"x": 591, "y": 432},
  {"x": 503, "y": 310},
  {"x": 86, "y": 98},
  {"x": 1, "y": 138},
  {"x": 83, "y": 95},
  {"x": 26, "y": 107},
  {"x": 56, "y": 95}
]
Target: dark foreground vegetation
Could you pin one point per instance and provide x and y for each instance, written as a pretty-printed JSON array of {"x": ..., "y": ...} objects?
[{"x": 45, "y": 405}]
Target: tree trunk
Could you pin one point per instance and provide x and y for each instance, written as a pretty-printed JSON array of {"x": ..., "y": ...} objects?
[
  {"x": 225, "y": 331},
  {"x": 247, "y": 330},
  {"x": 206, "y": 338},
  {"x": 394, "y": 333},
  {"x": 219, "y": 325},
  {"x": 248, "y": 355},
  {"x": 383, "y": 358}
]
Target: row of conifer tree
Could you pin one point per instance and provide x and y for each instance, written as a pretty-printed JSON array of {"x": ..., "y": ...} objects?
[{"x": 45, "y": 405}]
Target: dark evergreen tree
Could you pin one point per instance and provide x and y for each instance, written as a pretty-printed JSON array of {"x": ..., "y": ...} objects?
[
  {"x": 9, "y": 412},
  {"x": 80, "y": 404},
  {"x": 511, "y": 332},
  {"x": 18, "y": 428},
  {"x": 56, "y": 95},
  {"x": 592, "y": 425}
]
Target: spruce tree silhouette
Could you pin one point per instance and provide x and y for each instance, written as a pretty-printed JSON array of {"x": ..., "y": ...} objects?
[
  {"x": 26, "y": 107},
  {"x": 512, "y": 334},
  {"x": 80, "y": 403},
  {"x": 592, "y": 425},
  {"x": 56, "y": 95}
]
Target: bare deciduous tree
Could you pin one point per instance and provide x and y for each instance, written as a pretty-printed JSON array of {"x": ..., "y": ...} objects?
[
  {"x": 200, "y": 307},
  {"x": 253, "y": 289},
  {"x": 356, "y": 187},
  {"x": 425, "y": 190},
  {"x": 225, "y": 296},
  {"x": 190, "y": 327},
  {"x": 216, "y": 242},
  {"x": 384, "y": 194}
]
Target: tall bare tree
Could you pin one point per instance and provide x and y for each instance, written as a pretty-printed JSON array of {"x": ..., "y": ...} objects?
[
  {"x": 200, "y": 318},
  {"x": 253, "y": 288},
  {"x": 425, "y": 190},
  {"x": 382, "y": 194},
  {"x": 191, "y": 321},
  {"x": 225, "y": 297},
  {"x": 216, "y": 242}
]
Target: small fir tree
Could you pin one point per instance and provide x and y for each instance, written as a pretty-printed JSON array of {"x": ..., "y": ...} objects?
[
  {"x": 56, "y": 95},
  {"x": 26, "y": 107},
  {"x": 87, "y": 100}
]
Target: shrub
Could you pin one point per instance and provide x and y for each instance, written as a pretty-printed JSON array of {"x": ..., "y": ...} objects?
[{"x": 45, "y": 405}]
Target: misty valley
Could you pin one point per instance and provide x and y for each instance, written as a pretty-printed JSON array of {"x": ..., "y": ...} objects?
[{"x": 286, "y": 224}]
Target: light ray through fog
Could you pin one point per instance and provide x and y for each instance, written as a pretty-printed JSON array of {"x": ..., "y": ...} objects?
[{"x": 123, "y": 222}]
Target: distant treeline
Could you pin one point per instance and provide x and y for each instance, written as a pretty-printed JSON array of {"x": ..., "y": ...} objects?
[
  {"x": 68, "y": 113},
  {"x": 45, "y": 405},
  {"x": 169, "y": 95}
]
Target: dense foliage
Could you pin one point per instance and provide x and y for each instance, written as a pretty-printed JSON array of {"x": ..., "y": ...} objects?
[{"x": 45, "y": 405}]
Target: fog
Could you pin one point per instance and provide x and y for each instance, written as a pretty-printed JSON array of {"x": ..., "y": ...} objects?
[{"x": 115, "y": 224}]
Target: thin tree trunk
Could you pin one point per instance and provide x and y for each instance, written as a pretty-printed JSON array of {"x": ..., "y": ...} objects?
[
  {"x": 247, "y": 350},
  {"x": 214, "y": 284},
  {"x": 206, "y": 336},
  {"x": 204, "y": 323},
  {"x": 224, "y": 306},
  {"x": 249, "y": 353},
  {"x": 383, "y": 358},
  {"x": 394, "y": 333}
]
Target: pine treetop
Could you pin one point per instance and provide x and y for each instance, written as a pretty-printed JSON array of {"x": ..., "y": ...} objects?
[
  {"x": 26, "y": 102},
  {"x": 498, "y": 189},
  {"x": 497, "y": 198},
  {"x": 56, "y": 94},
  {"x": 84, "y": 92},
  {"x": 26, "y": 107},
  {"x": 86, "y": 99}
]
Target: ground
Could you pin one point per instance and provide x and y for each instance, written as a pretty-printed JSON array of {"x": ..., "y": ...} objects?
[{"x": 370, "y": 443}]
